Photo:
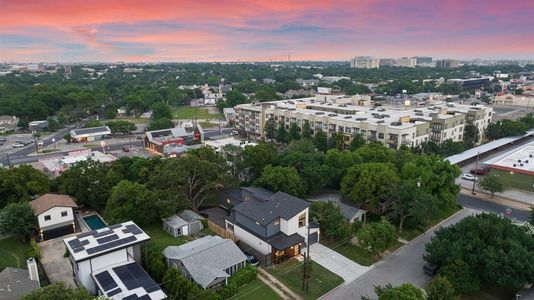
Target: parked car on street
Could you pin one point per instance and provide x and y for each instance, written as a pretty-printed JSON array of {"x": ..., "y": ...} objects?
[
  {"x": 430, "y": 269},
  {"x": 3, "y": 139},
  {"x": 479, "y": 171},
  {"x": 18, "y": 145},
  {"x": 469, "y": 177},
  {"x": 40, "y": 143}
]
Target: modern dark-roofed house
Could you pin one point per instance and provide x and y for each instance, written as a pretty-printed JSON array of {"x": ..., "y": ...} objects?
[
  {"x": 103, "y": 262},
  {"x": 208, "y": 261},
  {"x": 90, "y": 134},
  {"x": 272, "y": 226}
]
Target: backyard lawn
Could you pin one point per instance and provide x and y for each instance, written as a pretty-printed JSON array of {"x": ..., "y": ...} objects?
[
  {"x": 161, "y": 238},
  {"x": 321, "y": 280},
  {"x": 256, "y": 290},
  {"x": 13, "y": 253},
  {"x": 190, "y": 112}
]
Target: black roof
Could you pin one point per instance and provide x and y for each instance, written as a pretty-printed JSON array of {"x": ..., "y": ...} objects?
[
  {"x": 258, "y": 192},
  {"x": 279, "y": 205},
  {"x": 282, "y": 241}
]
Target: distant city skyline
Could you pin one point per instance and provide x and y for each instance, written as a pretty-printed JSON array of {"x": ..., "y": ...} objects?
[{"x": 239, "y": 30}]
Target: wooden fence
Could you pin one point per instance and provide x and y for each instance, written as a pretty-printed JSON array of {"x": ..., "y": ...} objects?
[{"x": 221, "y": 231}]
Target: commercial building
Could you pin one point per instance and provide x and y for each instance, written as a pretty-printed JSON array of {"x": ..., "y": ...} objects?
[
  {"x": 347, "y": 116},
  {"x": 364, "y": 62},
  {"x": 8, "y": 123},
  {"x": 387, "y": 62},
  {"x": 514, "y": 100},
  {"x": 38, "y": 126},
  {"x": 90, "y": 134},
  {"x": 470, "y": 83},
  {"x": 208, "y": 261},
  {"x": 54, "y": 166},
  {"x": 173, "y": 141},
  {"x": 55, "y": 215},
  {"x": 447, "y": 63},
  {"x": 515, "y": 167},
  {"x": 105, "y": 262},
  {"x": 420, "y": 60},
  {"x": 406, "y": 62}
]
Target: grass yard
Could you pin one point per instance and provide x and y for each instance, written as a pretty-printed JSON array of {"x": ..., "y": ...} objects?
[
  {"x": 206, "y": 125},
  {"x": 256, "y": 290},
  {"x": 290, "y": 273},
  {"x": 13, "y": 253},
  {"x": 190, "y": 112},
  {"x": 160, "y": 237},
  {"x": 352, "y": 252}
]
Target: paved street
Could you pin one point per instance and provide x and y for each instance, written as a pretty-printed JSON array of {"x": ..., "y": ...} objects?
[
  {"x": 336, "y": 263},
  {"x": 404, "y": 265},
  {"x": 468, "y": 201}
]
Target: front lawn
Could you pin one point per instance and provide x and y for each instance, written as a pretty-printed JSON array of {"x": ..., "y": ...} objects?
[
  {"x": 162, "y": 239},
  {"x": 352, "y": 252},
  {"x": 190, "y": 112},
  {"x": 13, "y": 253},
  {"x": 321, "y": 280},
  {"x": 256, "y": 290}
]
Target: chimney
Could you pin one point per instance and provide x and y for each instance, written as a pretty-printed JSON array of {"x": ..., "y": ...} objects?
[{"x": 32, "y": 269}]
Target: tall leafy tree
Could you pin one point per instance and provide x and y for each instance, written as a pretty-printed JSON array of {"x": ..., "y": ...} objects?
[
  {"x": 403, "y": 292},
  {"x": 441, "y": 289},
  {"x": 285, "y": 179},
  {"x": 21, "y": 184},
  {"x": 330, "y": 219},
  {"x": 356, "y": 142},
  {"x": 257, "y": 157},
  {"x": 161, "y": 110},
  {"x": 294, "y": 133},
  {"x": 306, "y": 130},
  {"x": 412, "y": 201},
  {"x": 471, "y": 135},
  {"x": 320, "y": 140},
  {"x": 282, "y": 136},
  {"x": 483, "y": 248},
  {"x": 372, "y": 183},
  {"x": 270, "y": 129},
  {"x": 17, "y": 219},
  {"x": 377, "y": 237},
  {"x": 131, "y": 201},
  {"x": 492, "y": 183},
  {"x": 58, "y": 291},
  {"x": 162, "y": 123}
]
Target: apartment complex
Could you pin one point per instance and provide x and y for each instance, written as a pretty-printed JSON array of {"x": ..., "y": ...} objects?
[
  {"x": 338, "y": 114},
  {"x": 364, "y": 62},
  {"x": 406, "y": 62},
  {"x": 447, "y": 63}
]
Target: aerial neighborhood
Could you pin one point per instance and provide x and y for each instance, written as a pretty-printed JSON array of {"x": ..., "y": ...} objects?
[{"x": 164, "y": 150}]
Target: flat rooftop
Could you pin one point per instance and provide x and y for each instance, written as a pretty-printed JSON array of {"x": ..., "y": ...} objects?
[
  {"x": 102, "y": 130},
  {"x": 127, "y": 281},
  {"x": 519, "y": 160},
  {"x": 94, "y": 243}
]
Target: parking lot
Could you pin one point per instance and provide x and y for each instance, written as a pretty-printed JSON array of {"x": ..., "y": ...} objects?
[{"x": 7, "y": 145}]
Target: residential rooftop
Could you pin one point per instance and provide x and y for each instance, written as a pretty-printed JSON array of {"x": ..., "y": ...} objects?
[{"x": 108, "y": 239}]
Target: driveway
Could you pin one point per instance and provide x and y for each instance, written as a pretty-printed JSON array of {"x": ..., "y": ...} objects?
[
  {"x": 403, "y": 266},
  {"x": 56, "y": 266},
  {"x": 336, "y": 263}
]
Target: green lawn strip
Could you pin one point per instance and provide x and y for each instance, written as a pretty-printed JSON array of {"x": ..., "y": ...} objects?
[
  {"x": 353, "y": 252},
  {"x": 256, "y": 290},
  {"x": 161, "y": 238},
  {"x": 13, "y": 253},
  {"x": 189, "y": 112},
  {"x": 321, "y": 280}
]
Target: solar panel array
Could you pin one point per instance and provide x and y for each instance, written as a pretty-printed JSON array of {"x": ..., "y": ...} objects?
[
  {"x": 112, "y": 244},
  {"x": 106, "y": 281},
  {"x": 132, "y": 276}
]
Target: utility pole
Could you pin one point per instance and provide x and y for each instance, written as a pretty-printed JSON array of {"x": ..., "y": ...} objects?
[
  {"x": 475, "y": 179},
  {"x": 306, "y": 281}
]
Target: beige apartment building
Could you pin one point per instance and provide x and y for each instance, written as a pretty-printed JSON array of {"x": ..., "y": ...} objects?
[{"x": 354, "y": 115}]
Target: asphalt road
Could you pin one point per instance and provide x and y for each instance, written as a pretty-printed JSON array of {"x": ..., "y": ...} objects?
[
  {"x": 475, "y": 203},
  {"x": 21, "y": 156},
  {"x": 403, "y": 266}
]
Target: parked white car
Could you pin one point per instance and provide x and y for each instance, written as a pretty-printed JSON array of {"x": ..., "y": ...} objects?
[
  {"x": 469, "y": 177},
  {"x": 18, "y": 145}
]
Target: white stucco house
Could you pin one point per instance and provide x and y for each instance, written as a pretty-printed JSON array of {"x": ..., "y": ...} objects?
[
  {"x": 55, "y": 215},
  {"x": 105, "y": 262}
]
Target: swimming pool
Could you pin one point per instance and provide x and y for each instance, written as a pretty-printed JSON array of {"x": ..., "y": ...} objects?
[{"x": 94, "y": 222}]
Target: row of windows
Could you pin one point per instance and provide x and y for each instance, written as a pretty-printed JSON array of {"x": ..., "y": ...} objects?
[{"x": 48, "y": 217}]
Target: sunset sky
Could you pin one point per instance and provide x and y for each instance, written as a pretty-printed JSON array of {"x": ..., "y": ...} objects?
[{"x": 202, "y": 30}]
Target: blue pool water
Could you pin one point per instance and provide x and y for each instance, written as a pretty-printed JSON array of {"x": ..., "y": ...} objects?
[{"x": 94, "y": 222}]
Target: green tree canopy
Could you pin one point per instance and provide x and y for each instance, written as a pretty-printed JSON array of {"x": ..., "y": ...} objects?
[
  {"x": 441, "y": 289},
  {"x": 492, "y": 183},
  {"x": 58, "y": 291},
  {"x": 21, "y": 183},
  {"x": 161, "y": 110},
  {"x": 330, "y": 219},
  {"x": 403, "y": 292},
  {"x": 285, "y": 179},
  {"x": 377, "y": 237},
  {"x": 483, "y": 248},
  {"x": 259, "y": 156},
  {"x": 17, "y": 219},
  {"x": 320, "y": 140},
  {"x": 157, "y": 124},
  {"x": 372, "y": 183},
  {"x": 270, "y": 129}
]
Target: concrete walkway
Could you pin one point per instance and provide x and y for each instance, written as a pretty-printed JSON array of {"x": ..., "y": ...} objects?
[
  {"x": 278, "y": 287},
  {"x": 336, "y": 263},
  {"x": 57, "y": 267}
]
